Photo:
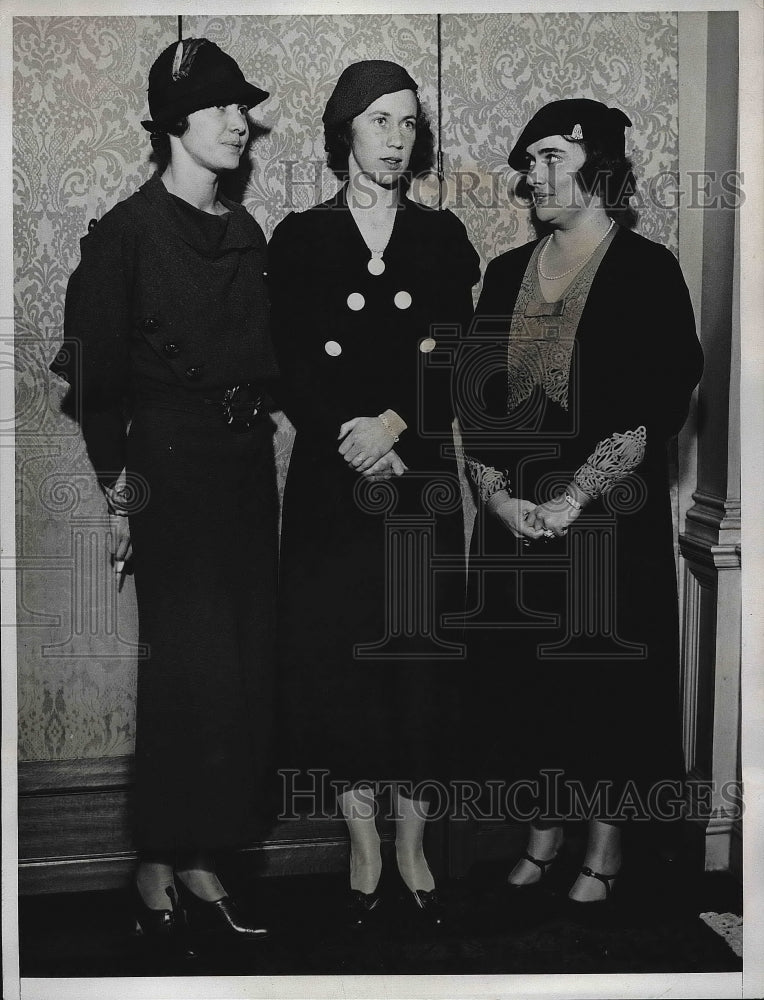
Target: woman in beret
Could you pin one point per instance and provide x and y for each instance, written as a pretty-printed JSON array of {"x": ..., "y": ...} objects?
[
  {"x": 368, "y": 291},
  {"x": 168, "y": 352},
  {"x": 578, "y": 371}
]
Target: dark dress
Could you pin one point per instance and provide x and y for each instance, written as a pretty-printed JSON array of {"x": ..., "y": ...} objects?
[
  {"x": 367, "y": 571},
  {"x": 573, "y": 643},
  {"x": 167, "y": 308}
]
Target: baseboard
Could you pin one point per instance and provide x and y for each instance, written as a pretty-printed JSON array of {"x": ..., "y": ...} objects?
[{"x": 74, "y": 820}]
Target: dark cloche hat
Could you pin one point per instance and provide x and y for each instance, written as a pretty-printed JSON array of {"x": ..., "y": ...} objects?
[
  {"x": 193, "y": 74},
  {"x": 577, "y": 119},
  {"x": 360, "y": 84}
]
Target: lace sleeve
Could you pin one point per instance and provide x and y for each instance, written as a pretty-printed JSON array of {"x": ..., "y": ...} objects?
[
  {"x": 612, "y": 459},
  {"x": 487, "y": 479}
]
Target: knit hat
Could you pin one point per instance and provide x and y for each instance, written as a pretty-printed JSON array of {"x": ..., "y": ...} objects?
[
  {"x": 359, "y": 85},
  {"x": 193, "y": 74},
  {"x": 576, "y": 120}
]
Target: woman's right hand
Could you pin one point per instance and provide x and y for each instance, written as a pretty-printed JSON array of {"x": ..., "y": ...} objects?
[
  {"x": 123, "y": 546},
  {"x": 512, "y": 513}
]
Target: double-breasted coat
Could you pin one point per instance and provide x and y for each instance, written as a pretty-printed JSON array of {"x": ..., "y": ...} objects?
[
  {"x": 368, "y": 571},
  {"x": 574, "y": 645},
  {"x": 167, "y": 309}
]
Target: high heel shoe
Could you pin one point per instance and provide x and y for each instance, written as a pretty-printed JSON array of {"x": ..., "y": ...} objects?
[
  {"x": 363, "y": 908},
  {"x": 580, "y": 906},
  {"x": 543, "y": 864},
  {"x": 163, "y": 928},
  {"x": 222, "y": 915},
  {"x": 429, "y": 907}
]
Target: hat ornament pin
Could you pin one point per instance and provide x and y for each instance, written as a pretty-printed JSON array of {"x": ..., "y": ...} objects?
[
  {"x": 177, "y": 60},
  {"x": 577, "y": 133},
  {"x": 184, "y": 57}
]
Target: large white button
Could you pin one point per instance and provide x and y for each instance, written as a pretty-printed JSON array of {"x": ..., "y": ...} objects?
[
  {"x": 402, "y": 300},
  {"x": 376, "y": 265},
  {"x": 332, "y": 348},
  {"x": 356, "y": 301},
  {"x": 427, "y": 345}
]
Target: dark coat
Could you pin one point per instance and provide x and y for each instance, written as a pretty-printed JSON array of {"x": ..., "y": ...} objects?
[
  {"x": 357, "y": 709},
  {"x": 574, "y": 644},
  {"x": 167, "y": 307},
  {"x": 153, "y": 307}
]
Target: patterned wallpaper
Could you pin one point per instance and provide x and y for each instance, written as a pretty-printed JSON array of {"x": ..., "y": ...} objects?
[
  {"x": 498, "y": 69},
  {"x": 79, "y": 95}
]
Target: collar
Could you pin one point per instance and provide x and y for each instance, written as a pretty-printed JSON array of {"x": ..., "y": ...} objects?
[{"x": 166, "y": 222}]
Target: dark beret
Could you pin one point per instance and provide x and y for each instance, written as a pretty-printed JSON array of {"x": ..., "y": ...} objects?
[
  {"x": 360, "y": 85},
  {"x": 194, "y": 74},
  {"x": 577, "y": 119}
]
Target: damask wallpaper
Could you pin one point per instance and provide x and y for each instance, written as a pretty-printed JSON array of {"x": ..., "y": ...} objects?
[{"x": 79, "y": 95}]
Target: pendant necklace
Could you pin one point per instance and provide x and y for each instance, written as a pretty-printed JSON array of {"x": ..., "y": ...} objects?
[
  {"x": 576, "y": 266},
  {"x": 375, "y": 264}
]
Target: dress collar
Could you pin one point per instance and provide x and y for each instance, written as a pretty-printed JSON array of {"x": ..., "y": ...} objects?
[{"x": 167, "y": 220}]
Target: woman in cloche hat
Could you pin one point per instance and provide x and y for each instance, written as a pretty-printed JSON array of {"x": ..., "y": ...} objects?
[
  {"x": 584, "y": 344},
  {"x": 168, "y": 353},
  {"x": 368, "y": 290}
]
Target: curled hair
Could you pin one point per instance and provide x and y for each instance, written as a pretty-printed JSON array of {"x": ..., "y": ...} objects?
[
  {"x": 606, "y": 174},
  {"x": 339, "y": 139},
  {"x": 160, "y": 143},
  {"x": 610, "y": 176}
]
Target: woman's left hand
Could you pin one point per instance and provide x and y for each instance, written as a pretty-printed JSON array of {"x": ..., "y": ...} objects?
[
  {"x": 386, "y": 467},
  {"x": 553, "y": 517},
  {"x": 364, "y": 441}
]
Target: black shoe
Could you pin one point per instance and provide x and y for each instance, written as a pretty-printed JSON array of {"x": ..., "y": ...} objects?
[
  {"x": 222, "y": 915},
  {"x": 363, "y": 908},
  {"x": 594, "y": 908},
  {"x": 543, "y": 865},
  {"x": 429, "y": 908},
  {"x": 165, "y": 929}
]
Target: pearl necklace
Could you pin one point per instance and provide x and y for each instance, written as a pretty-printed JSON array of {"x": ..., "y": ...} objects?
[{"x": 576, "y": 266}]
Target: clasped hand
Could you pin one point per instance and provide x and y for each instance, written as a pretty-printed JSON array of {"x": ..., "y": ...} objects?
[
  {"x": 365, "y": 440},
  {"x": 529, "y": 522}
]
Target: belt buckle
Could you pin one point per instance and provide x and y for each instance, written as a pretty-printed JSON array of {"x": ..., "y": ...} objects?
[{"x": 239, "y": 416}]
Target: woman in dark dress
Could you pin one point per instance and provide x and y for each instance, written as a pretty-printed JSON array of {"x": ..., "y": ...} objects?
[
  {"x": 368, "y": 293},
  {"x": 579, "y": 369},
  {"x": 168, "y": 351}
]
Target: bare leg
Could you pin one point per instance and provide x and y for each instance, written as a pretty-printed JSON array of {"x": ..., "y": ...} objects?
[
  {"x": 357, "y": 807},
  {"x": 197, "y": 873},
  {"x": 153, "y": 878},
  {"x": 410, "y": 818},
  {"x": 544, "y": 842},
  {"x": 603, "y": 855}
]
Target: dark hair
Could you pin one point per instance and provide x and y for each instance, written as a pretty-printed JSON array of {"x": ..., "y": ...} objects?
[
  {"x": 611, "y": 176},
  {"x": 338, "y": 141},
  {"x": 604, "y": 173},
  {"x": 160, "y": 143}
]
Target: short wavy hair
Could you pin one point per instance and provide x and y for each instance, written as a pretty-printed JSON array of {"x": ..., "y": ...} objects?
[
  {"x": 160, "y": 143},
  {"x": 338, "y": 141},
  {"x": 606, "y": 173},
  {"x": 610, "y": 175}
]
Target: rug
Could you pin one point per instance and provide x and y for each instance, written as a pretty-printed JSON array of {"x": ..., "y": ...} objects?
[{"x": 728, "y": 926}]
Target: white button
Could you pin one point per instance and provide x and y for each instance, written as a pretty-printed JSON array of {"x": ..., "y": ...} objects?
[
  {"x": 332, "y": 348},
  {"x": 376, "y": 265},
  {"x": 427, "y": 345},
  {"x": 402, "y": 300},
  {"x": 356, "y": 301}
]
